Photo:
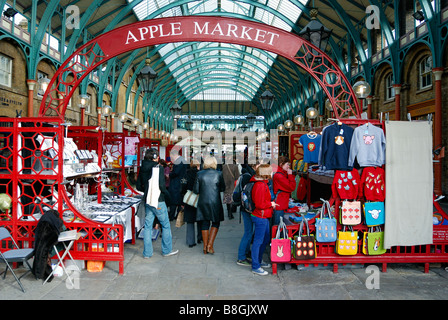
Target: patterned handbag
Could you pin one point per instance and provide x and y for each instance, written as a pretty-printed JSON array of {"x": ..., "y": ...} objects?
[
  {"x": 374, "y": 213},
  {"x": 347, "y": 243},
  {"x": 326, "y": 226},
  {"x": 281, "y": 246},
  {"x": 350, "y": 213},
  {"x": 304, "y": 246}
]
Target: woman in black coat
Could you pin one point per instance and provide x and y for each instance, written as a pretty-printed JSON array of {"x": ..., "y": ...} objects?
[
  {"x": 190, "y": 211},
  {"x": 209, "y": 185}
]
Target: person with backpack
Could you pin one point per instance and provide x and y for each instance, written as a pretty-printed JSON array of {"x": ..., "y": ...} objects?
[
  {"x": 247, "y": 172},
  {"x": 284, "y": 183},
  {"x": 159, "y": 208},
  {"x": 264, "y": 207}
]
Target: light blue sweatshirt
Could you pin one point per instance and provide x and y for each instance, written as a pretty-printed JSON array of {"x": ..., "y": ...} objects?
[{"x": 368, "y": 146}]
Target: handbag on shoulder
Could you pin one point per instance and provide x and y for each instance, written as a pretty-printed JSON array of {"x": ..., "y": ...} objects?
[
  {"x": 281, "y": 244},
  {"x": 191, "y": 198},
  {"x": 325, "y": 226},
  {"x": 304, "y": 245}
]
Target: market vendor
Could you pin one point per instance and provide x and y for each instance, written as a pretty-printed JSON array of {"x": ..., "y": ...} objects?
[{"x": 284, "y": 183}]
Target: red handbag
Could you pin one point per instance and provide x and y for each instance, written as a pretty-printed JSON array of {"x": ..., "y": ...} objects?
[{"x": 281, "y": 246}]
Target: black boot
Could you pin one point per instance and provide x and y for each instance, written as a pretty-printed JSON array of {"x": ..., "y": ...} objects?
[{"x": 230, "y": 211}]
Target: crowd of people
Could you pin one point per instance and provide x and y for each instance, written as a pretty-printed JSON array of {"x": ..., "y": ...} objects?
[{"x": 214, "y": 184}]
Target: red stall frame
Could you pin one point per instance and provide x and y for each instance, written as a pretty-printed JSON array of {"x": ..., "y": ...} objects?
[{"x": 30, "y": 173}]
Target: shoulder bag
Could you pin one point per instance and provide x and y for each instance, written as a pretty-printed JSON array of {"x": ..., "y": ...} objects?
[{"x": 191, "y": 198}]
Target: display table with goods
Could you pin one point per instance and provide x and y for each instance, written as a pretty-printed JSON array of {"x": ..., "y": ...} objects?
[
  {"x": 39, "y": 173},
  {"x": 372, "y": 217}
]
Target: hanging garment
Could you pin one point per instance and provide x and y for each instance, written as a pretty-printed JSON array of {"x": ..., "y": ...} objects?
[
  {"x": 311, "y": 145},
  {"x": 409, "y": 181},
  {"x": 335, "y": 147},
  {"x": 346, "y": 184},
  {"x": 373, "y": 186},
  {"x": 368, "y": 146}
]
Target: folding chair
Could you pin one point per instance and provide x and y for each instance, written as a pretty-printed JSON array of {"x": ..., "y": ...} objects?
[{"x": 14, "y": 255}]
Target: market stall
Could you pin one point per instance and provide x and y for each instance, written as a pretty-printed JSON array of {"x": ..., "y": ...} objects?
[
  {"x": 46, "y": 165},
  {"x": 374, "y": 189}
]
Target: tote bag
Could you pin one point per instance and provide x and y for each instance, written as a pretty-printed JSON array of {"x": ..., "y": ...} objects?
[
  {"x": 304, "y": 245},
  {"x": 374, "y": 242},
  {"x": 326, "y": 226},
  {"x": 347, "y": 243},
  {"x": 152, "y": 198},
  {"x": 281, "y": 246},
  {"x": 350, "y": 213},
  {"x": 374, "y": 213}
]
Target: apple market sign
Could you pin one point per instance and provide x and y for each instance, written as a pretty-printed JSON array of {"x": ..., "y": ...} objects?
[{"x": 141, "y": 34}]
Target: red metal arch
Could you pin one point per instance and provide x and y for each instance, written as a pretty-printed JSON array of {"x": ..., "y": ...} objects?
[{"x": 199, "y": 28}]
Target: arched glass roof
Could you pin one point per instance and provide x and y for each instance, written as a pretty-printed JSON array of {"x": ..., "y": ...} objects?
[{"x": 236, "y": 65}]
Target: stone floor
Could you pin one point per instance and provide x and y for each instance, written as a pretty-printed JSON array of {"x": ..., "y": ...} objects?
[{"x": 191, "y": 275}]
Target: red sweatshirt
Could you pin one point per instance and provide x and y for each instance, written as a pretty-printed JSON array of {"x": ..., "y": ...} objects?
[
  {"x": 261, "y": 196},
  {"x": 286, "y": 183}
]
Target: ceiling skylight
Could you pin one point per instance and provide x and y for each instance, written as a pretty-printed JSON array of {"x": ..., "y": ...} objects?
[{"x": 245, "y": 67}]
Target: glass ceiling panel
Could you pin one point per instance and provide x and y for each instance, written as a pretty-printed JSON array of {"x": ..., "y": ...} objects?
[{"x": 180, "y": 60}]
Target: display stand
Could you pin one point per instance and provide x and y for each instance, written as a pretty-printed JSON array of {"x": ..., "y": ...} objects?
[
  {"x": 31, "y": 173},
  {"x": 437, "y": 252}
]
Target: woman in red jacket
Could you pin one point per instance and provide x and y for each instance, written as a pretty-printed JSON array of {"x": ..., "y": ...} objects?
[
  {"x": 261, "y": 196},
  {"x": 284, "y": 182}
]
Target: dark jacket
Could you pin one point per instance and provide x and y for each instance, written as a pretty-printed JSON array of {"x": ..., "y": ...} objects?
[
  {"x": 209, "y": 183},
  {"x": 176, "y": 175},
  {"x": 46, "y": 236},
  {"x": 189, "y": 211},
  {"x": 143, "y": 178}
]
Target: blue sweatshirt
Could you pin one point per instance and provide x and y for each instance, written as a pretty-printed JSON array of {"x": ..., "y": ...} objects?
[{"x": 335, "y": 147}]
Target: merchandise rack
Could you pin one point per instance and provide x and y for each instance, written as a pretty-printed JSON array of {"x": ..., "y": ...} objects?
[
  {"x": 437, "y": 252},
  {"x": 326, "y": 255}
]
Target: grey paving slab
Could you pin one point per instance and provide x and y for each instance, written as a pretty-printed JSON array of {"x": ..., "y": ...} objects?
[{"x": 191, "y": 275}]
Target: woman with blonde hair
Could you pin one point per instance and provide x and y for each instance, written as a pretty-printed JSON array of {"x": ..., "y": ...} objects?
[
  {"x": 264, "y": 207},
  {"x": 209, "y": 185}
]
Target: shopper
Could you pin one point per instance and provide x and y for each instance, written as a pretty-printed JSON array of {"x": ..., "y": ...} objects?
[
  {"x": 247, "y": 172},
  {"x": 190, "y": 211},
  {"x": 176, "y": 175},
  {"x": 261, "y": 197},
  {"x": 209, "y": 185},
  {"x": 283, "y": 184},
  {"x": 149, "y": 162},
  {"x": 230, "y": 174}
]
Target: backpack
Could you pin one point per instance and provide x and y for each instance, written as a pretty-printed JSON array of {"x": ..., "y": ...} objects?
[
  {"x": 236, "y": 195},
  {"x": 246, "y": 197}
]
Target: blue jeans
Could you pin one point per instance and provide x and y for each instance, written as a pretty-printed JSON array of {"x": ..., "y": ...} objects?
[
  {"x": 161, "y": 212},
  {"x": 244, "y": 247},
  {"x": 261, "y": 240},
  {"x": 277, "y": 215}
]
